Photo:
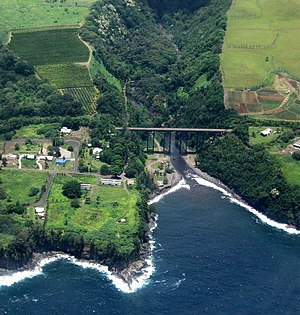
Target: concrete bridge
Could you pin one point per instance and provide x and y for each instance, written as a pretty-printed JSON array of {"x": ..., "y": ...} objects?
[{"x": 182, "y": 135}]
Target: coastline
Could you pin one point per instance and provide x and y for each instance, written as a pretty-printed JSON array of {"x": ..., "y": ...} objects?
[
  {"x": 205, "y": 179},
  {"x": 128, "y": 279}
]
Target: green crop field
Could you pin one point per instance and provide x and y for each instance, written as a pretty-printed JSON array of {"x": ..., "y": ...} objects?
[
  {"x": 87, "y": 96},
  {"x": 25, "y": 14},
  {"x": 50, "y": 47},
  {"x": 97, "y": 219},
  {"x": 65, "y": 75},
  {"x": 17, "y": 185},
  {"x": 258, "y": 34}
]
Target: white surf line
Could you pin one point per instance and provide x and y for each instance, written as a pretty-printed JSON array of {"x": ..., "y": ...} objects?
[
  {"x": 137, "y": 283},
  {"x": 262, "y": 217},
  {"x": 182, "y": 184}
]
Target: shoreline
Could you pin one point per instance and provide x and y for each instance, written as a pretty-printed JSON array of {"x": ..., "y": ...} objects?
[
  {"x": 128, "y": 279},
  {"x": 214, "y": 183}
]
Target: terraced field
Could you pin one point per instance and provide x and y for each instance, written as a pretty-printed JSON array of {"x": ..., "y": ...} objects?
[
  {"x": 58, "y": 55},
  {"x": 256, "y": 41},
  {"x": 86, "y": 95}
]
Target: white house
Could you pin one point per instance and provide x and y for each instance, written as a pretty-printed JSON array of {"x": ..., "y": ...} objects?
[
  {"x": 97, "y": 151},
  {"x": 296, "y": 145},
  {"x": 65, "y": 130},
  {"x": 46, "y": 157},
  {"x": 40, "y": 212},
  {"x": 111, "y": 181},
  {"x": 84, "y": 186},
  {"x": 266, "y": 132},
  {"x": 29, "y": 156}
]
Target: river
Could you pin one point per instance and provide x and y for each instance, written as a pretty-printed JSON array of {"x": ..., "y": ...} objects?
[{"x": 211, "y": 256}]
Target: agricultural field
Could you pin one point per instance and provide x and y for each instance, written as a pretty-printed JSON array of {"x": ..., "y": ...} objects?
[
  {"x": 258, "y": 34},
  {"x": 65, "y": 76},
  {"x": 49, "y": 46},
  {"x": 25, "y": 14},
  {"x": 87, "y": 96},
  {"x": 98, "y": 214},
  {"x": 17, "y": 186}
]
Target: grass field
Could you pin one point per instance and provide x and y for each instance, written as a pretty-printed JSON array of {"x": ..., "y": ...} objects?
[
  {"x": 290, "y": 168},
  {"x": 97, "y": 219},
  {"x": 49, "y": 47},
  {"x": 256, "y": 41},
  {"x": 65, "y": 76},
  {"x": 24, "y": 14},
  {"x": 271, "y": 142},
  {"x": 18, "y": 184}
]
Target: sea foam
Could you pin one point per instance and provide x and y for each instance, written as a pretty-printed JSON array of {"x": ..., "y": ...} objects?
[
  {"x": 120, "y": 284},
  {"x": 181, "y": 184},
  {"x": 262, "y": 217}
]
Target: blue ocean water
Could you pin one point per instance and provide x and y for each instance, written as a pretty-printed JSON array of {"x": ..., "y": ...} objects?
[{"x": 211, "y": 257}]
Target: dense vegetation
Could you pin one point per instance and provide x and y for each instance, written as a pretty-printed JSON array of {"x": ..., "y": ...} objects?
[
  {"x": 254, "y": 174},
  {"x": 23, "y": 95}
]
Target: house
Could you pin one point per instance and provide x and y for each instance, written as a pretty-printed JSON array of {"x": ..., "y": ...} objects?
[
  {"x": 97, "y": 151},
  {"x": 65, "y": 131},
  {"x": 29, "y": 156},
  {"x": 266, "y": 132},
  {"x": 62, "y": 161},
  {"x": 40, "y": 212},
  {"x": 84, "y": 186},
  {"x": 296, "y": 145},
  {"x": 111, "y": 182},
  {"x": 10, "y": 156},
  {"x": 46, "y": 157}
]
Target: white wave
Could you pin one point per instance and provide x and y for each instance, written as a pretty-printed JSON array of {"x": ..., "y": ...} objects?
[
  {"x": 120, "y": 284},
  {"x": 182, "y": 184},
  {"x": 262, "y": 217}
]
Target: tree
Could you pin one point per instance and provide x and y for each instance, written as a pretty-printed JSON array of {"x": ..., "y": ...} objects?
[
  {"x": 28, "y": 141},
  {"x": 72, "y": 189},
  {"x": 33, "y": 191},
  {"x": 296, "y": 155},
  {"x": 75, "y": 203},
  {"x": 4, "y": 161},
  {"x": 104, "y": 170},
  {"x": 17, "y": 147},
  {"x": 3, "y": 193}
]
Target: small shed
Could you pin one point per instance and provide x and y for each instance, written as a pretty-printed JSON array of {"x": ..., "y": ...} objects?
[{"x": 85, "y": 186}]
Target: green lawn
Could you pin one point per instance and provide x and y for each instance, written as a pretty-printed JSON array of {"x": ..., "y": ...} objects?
[
  {"x": 99, "y": 219},
  {"x": 24, "y": 14},
  {"x": 271, "y": 142},
  {"x": 290, "y": 168},
  {"x": 256, "y": 41},
  {"x": 17, "y": 185},
  {"x": 49, "y": 47}
]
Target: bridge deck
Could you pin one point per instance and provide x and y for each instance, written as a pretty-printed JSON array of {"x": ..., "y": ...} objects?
[{"x": 175, "y": 129}]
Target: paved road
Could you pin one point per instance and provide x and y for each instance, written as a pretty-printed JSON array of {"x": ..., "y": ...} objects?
[{"x": 43, "y": 200}]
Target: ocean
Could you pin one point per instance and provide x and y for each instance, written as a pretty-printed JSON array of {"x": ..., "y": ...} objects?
[{"x": 212, "y": 255}]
